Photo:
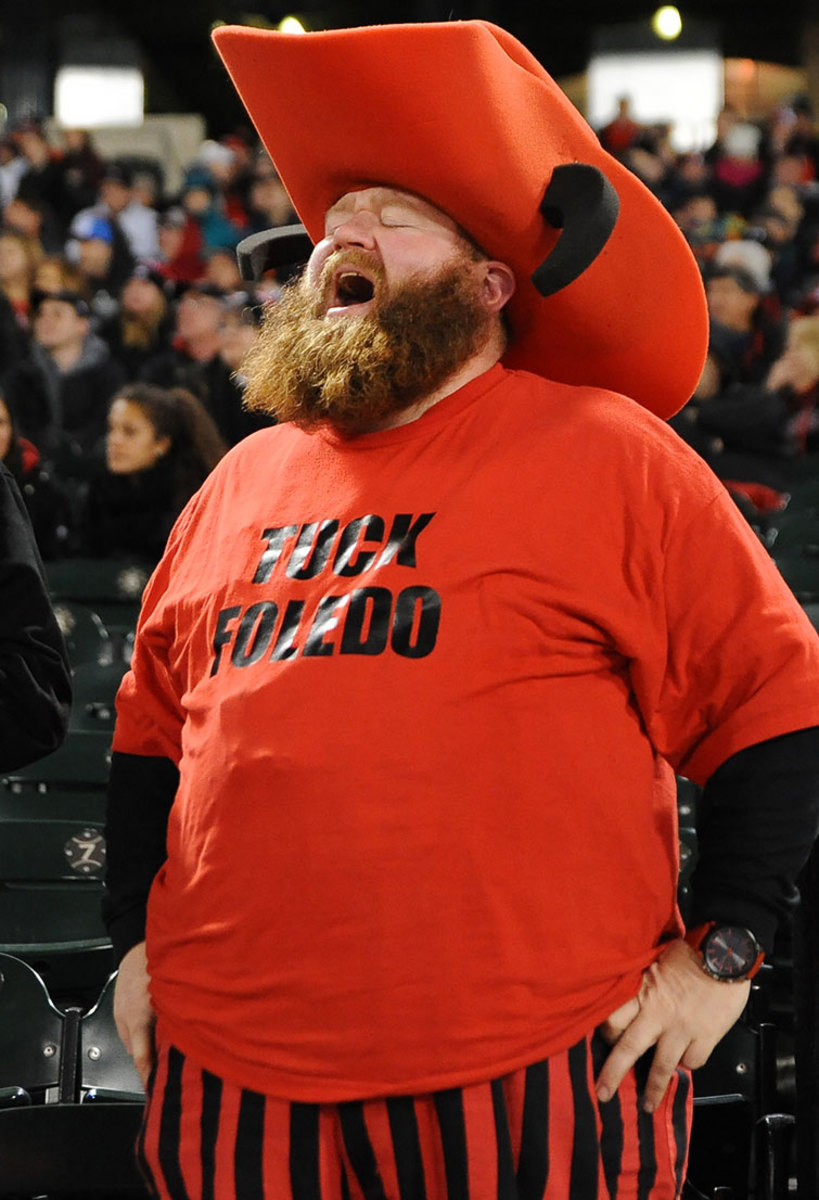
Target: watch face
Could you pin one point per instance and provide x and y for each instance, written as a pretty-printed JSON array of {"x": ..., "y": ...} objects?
[{"x": 729, "y": 951}]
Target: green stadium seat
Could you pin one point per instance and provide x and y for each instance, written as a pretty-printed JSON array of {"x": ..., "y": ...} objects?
[
  {"x": 71, "y": 1102},
  {"x": 86, "y": 637},
  {"x": 95, "y": 688}
]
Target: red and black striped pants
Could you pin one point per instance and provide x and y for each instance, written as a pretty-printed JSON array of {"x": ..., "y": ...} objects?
[{"x": 537, "y": 1134}]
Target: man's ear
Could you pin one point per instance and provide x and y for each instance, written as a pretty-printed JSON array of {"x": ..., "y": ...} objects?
[{"x": 498, "y": 285}]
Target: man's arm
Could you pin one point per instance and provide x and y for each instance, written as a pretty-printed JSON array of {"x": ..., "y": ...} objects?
[
  {"x": 141, "y": 791},
  {"x": 760, "y": 815},
  {"x": 35, "y": 680}
]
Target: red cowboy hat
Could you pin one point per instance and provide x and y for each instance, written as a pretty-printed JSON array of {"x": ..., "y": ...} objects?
[{"x": 463, "y": 115}]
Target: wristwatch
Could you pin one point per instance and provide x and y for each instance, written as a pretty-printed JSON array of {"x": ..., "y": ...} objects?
[{"x": 729, "y": 953}]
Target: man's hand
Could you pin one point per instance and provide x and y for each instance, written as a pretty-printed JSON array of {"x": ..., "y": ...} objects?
[
  {"x": 132, "y": 1010},
  {"x": 680, "y": 1011}
]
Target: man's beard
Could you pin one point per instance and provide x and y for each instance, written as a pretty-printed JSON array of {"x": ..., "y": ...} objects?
[{"x": 356, "y": 372}]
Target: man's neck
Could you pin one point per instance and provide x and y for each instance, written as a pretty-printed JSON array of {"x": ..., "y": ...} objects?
[
  {"x": 67, "y": 356},
  {"x": 477, "y": 365}
]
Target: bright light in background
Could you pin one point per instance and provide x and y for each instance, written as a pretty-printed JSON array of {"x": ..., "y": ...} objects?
[
  {"x": 93, "y": 97},
  {"x": 667, "y": 23},
  {"x": 683, "y": 87},
  {"x": 290, "y": 25}
]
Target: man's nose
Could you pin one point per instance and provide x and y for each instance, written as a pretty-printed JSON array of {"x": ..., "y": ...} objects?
[{"x": 358, "y": 229}]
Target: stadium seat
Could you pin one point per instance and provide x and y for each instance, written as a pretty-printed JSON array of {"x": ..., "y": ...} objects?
[
  {"x": 111, "y": 587},
  {"x": 52, "y": 858},
  {"x": 70, "y": 1100},
  {"x": 801, "y": 573},
  {"x": 83, "y": 760},
  {"x": 95, "y": 688},
  {"x": 86, "y": 637},
  {"x": 795, "y": 532}
]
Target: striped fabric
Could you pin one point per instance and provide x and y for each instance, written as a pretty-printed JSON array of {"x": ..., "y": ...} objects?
[{"x": 537, "y": 1134}]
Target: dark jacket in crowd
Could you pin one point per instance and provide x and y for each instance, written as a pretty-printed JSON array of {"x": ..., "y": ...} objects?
[
  {"x": 763, "y": 433},
  {"x": 64, "y": 412},
  {"x": 47, "y": 503},
  {"x": 213, "y": 383},
  {"x": 35, "y": 682},
  {"x": 129, "y": 516},
  {"x": 132, "y": 357}
]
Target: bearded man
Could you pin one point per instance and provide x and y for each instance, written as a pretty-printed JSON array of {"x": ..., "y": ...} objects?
[{"x": 395, "y": 757}]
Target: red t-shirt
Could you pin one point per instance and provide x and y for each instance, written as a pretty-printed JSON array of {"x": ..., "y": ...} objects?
[{"x": 426, "y": 688}]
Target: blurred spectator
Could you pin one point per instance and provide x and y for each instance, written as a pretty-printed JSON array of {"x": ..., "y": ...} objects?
[
  {"x": 745, "y": 338},
  {"x": 738, "y": 171},
  {"x": 19, "y": 258},
  {"x": 202, "y": 202},
  {"x": 195, "y": 361},
  {"x": 32, "y": 217},
  {"x": 222, "y": 167},
  {"x": 12, "y": 168},
  {"x": 803, "y": 140},
  {"x": 118, "y": 204},
  {"x": 765, "y": 428},
  {"x": 104, "y": 259},
  {"x": 48, "y": 506},
  {"x": 43, "y": 178},
  {"x": 704, "y": 228},
  {"x": 691, "y": 176},
  {"x": 778, "y": 225},
  {"x": 180, "y": 247},
  {"x": 269, "y": 205},
  {"x": 142, "y": 327},
  {"x": 240, "y": 325},
  {"x": 622, "y": 132},
  {"x": 14, "y": 340},
  {"x": 160, "y": 446},
  {"x": 83, "y": 170},
  {"x": 222, "y": 270},
  {"x": 60, "y": 392},
  {"x": 56, "y": 274},
  {"x": 752, "y": 256}
]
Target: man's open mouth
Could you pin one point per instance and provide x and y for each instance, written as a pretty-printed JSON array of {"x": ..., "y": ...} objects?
[{"x": 350, "y": 289}]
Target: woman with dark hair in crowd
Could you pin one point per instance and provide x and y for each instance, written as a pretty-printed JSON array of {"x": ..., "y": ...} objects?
[
  {"x": 48, "y": 506},
  {"x": 161, "y": 445}
]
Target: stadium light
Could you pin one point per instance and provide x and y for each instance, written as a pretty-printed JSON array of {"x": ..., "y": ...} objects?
[{"x": 667, "y": 23}]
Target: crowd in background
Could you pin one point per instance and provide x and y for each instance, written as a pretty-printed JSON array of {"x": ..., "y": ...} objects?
[{"x": 124, "y": 320}]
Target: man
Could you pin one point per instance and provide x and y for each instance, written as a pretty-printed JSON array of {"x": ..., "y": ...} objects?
[
  {"x": 395, "y": 757},
  {"x": 118, "y": 204},
  {"x": 194, "y": 360},
  {"x": 104, "y": 260},
  {"x": 60, "y": 393},
  {"x": 745, "y": 338}
]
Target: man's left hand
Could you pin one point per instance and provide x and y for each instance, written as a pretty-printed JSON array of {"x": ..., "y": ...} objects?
[{"x": 680, "y": 1011}]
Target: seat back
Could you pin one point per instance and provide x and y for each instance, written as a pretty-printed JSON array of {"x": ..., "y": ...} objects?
[
  {"x": 86, "y": 637},
  {"x": 95, "y": 688},
  {"x": 31, "y": 1030}
]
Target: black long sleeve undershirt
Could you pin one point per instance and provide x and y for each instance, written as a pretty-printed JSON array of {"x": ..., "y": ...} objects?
[
  {"x": 141, "y": 791},
  {"x": 759, "y": 817},
  {"x": 758, "y": 820}
]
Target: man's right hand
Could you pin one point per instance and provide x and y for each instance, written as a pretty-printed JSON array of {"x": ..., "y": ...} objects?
[{"x": 133, "y": 1012}]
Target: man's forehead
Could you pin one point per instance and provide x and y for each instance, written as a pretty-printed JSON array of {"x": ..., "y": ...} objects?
[{"x": 380, "y": 196}]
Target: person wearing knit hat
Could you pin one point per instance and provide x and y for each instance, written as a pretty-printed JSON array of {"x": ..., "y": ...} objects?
[{"x": 392, "y": 844}]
